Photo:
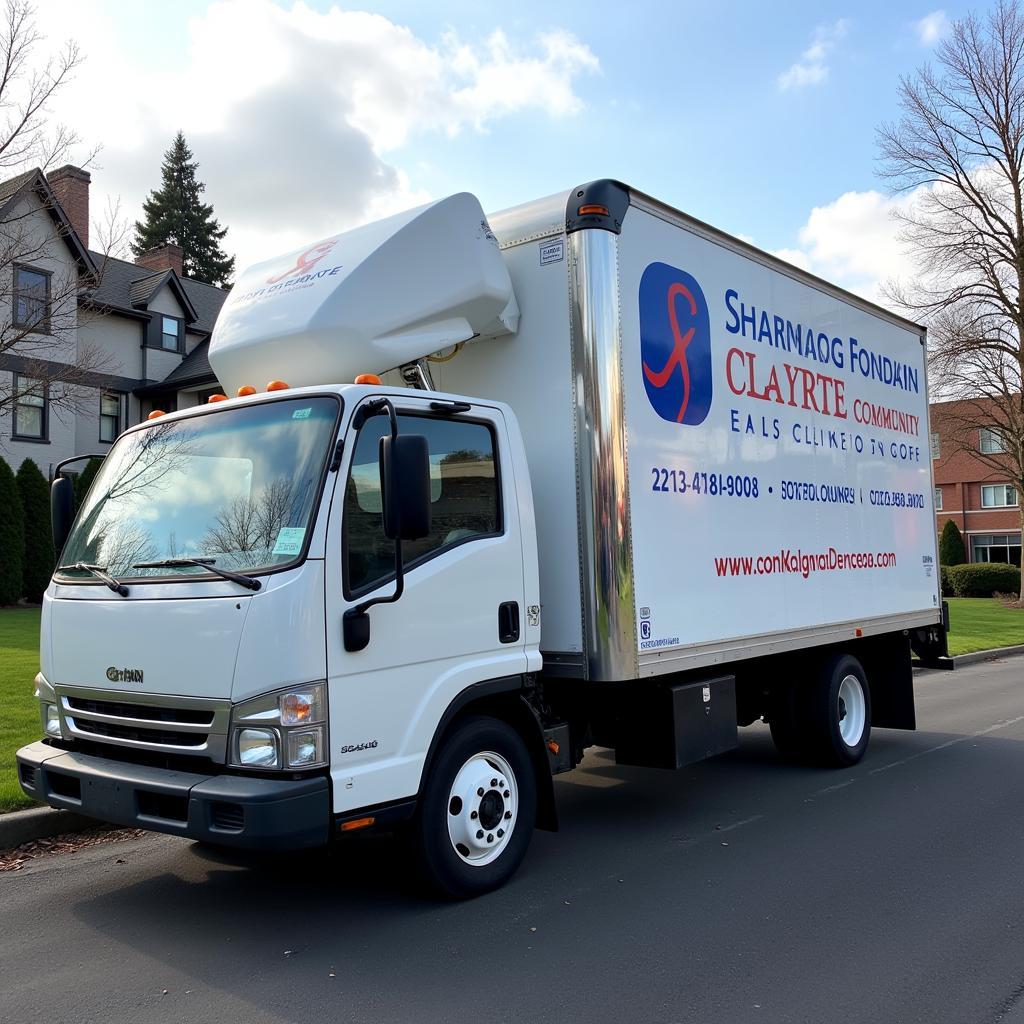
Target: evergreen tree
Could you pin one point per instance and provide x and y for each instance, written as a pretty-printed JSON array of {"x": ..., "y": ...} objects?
[
  {"x": 951, "y": 545},
  {"x": 84, "y": 481},
  {"x": 12, "y": 537},
  {"x": 39, "y": 556},
  {"x": 176, "y": 213}
]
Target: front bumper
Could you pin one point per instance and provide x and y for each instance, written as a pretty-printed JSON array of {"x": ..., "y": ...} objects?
[{"x": 231, "y": 810}]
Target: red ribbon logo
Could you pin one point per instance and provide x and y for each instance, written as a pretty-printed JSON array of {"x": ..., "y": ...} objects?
[
  {"x": 305, "y": 262},
  {"x": 681, "y": 341}
]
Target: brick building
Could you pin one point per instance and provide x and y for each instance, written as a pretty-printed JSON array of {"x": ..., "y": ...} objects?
[
  {"x": 977, "y": 495},
  {"x": 151, "y": 323}
]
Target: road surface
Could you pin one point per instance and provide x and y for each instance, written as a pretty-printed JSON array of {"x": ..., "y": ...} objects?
[{"x": 739, "y": 890}]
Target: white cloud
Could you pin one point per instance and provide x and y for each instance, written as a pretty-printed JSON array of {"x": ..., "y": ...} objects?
[
  {"x": 294, "y": 113},
  {"x": 812, "y": 68},
  {"x": 853, "y": 242},
  {"x": 931, "y": 28}
]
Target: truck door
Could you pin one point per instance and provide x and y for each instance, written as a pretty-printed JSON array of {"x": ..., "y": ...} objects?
[{"x": 461, "y": 618}]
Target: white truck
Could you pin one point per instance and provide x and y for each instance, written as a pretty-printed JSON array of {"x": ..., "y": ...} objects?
[{"x": 630, "y": 482}]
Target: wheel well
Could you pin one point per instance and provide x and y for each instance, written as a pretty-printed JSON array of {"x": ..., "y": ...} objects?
[{"x": 509, "y": 707}]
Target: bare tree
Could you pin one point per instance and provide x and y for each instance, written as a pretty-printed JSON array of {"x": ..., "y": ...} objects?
[
  {"x": 40, "y": 315},
  {"x": 958, "y": 153},
  {"x": 248, "y": 527}
]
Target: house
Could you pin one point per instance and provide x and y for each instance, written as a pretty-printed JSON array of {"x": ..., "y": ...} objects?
[
  {"x": 975, "y": 492},
  {"x": 139, "y": 331}
]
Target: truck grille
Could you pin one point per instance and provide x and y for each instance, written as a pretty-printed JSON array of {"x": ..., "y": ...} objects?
[{"x": 181, "y": 725}]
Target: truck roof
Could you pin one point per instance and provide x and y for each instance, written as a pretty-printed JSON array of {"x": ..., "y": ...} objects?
[{"x": 540, "y": 218}]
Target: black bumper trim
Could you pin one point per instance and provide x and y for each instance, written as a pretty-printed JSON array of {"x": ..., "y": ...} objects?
[{"x": 230, "y": 810}]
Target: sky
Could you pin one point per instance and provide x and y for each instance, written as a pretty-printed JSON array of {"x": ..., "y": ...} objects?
[{"x": 309, "y": 118}]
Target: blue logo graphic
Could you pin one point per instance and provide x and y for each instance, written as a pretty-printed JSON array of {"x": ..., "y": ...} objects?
[{"x": 675, "y": 344}]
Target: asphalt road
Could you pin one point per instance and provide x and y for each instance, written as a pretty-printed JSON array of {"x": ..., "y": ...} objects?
[{"x": 739, "y": 890}]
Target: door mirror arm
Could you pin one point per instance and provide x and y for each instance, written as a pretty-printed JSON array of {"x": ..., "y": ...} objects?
[{"x": 404, "y": 515}]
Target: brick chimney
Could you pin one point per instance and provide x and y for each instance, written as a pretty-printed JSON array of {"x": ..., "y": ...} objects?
[
  {"x": 162, "y": 257},
  {"x": 70, "y": 185}
]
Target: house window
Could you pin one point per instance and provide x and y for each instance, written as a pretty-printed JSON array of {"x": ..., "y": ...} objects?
[
  {"x": 938, "y": 499},
  {"x": 110, "y": 416},
  {"x": 996, "y": 547},
  {"x": 31, "y": 412},
  {"x": 998, "y": 495},
  {"x": 936, "y": 444},
  {"x": 170, "y": 334},
  {"x": 31, "y": 298},
  {"x": 991, "y": 442}
]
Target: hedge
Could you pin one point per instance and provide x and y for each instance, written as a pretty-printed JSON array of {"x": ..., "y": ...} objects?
[
  {"x": 12, "y": 537},
  {"x": 982, "y": 579},
  {"x": 951, "y": 545},
  {"x": 39, "y": 556}
]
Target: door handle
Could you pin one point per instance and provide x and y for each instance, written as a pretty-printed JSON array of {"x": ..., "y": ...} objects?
[{"x": 508, "y": 622}]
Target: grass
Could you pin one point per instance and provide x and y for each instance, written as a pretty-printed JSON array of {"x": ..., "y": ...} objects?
[
  {"x": 978, "y": 623},
  {"x": 19, "y": 712}
]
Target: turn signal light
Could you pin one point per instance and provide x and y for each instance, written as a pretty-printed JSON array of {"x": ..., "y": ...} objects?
[
  {"x": 277, "y": 385},
  {"x": 216, "y": 398},
  {"x": 156, "y": 414},
  {"x": 593, "y": 208},
  {"x": 367, "y": 378},
  {"x": 245, "y": 389},
  {"x": 357, "y": 823}
]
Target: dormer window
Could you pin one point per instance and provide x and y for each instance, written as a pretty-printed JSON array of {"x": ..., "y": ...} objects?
[
  {"x": 170, "y": 334},
  {"x": 31, "y": 299}
]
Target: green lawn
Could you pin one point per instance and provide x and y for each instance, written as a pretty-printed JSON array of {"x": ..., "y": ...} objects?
[
  {"x": 19, "y": 712},
  {"x": 978, "y": 623}
]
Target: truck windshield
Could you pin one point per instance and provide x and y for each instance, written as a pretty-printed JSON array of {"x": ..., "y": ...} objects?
[{"x": 236, "y": 487}]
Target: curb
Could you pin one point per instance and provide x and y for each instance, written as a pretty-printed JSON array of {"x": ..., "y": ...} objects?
[
  {"x": 990, "y": 655},
  {"x": 19, "y": 827}
]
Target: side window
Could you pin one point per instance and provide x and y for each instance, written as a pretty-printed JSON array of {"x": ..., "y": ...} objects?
[{"x": 463, "y": 495}]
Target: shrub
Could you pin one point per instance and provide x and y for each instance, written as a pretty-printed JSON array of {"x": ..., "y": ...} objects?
[
  {"x": 944, "y": 583},
  {"x": 84, "y": 481},
  {"x": 39, "y": 556},
  {"x": 951, "y": 545},
  {"x": 12, "y": 537},
  {"x": 983, "y": 579}
]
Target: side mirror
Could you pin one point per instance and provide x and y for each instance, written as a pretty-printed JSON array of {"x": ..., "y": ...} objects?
[
  {"x": 62, "y": 511},
  {"x": 405, "y": 486}
]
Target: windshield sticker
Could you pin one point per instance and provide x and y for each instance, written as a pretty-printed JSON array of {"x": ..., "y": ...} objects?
[
  {"x": 289, "y": 540},
  {"x": 302, "y": 414}
]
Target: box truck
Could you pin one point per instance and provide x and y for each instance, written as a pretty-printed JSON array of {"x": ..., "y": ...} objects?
[{"x": 625, "y": 481}]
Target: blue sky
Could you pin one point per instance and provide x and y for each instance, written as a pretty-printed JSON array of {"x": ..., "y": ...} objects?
[{"x": 696, "y": 103}]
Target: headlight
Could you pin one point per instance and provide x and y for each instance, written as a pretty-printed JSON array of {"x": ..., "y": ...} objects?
[
  {"x": 51, "y": 720},
  {"x": 257, "y": 748},
  {"x": 305, "y": 747},
  {"x": 284, "y": 729}
]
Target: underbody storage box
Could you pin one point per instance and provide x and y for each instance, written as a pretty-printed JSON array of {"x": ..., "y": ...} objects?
[{"x": 675, "y": 724}]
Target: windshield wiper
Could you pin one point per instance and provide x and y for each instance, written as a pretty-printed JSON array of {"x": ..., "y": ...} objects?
[
  {"x": 206, "y": 563},
  {"x": 99, "y": 571}
]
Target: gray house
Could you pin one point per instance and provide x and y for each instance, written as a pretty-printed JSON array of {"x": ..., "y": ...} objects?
[{"x": 144, "y": 325}]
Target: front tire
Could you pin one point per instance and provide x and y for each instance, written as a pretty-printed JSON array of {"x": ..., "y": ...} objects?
[{"x": 476, "y": 816}]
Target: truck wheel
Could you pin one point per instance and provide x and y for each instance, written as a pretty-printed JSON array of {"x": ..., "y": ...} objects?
[
  {"x": 476, "y": 815},
  {"x": 840, "y": 712}
]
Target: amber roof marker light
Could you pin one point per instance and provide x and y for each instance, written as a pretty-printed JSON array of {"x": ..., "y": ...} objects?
[
  {"x": 156, "y": 414},
  {"x": 277, "y": 385},
  {"x": 367, "y": 378},
  {"x": 244, "y": 390},
  {"x": 216, "y": 398},
  {"x": 593, "y": 209}
]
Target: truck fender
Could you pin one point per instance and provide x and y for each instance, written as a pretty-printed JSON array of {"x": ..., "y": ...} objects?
[{"x": 503, "y": 699}]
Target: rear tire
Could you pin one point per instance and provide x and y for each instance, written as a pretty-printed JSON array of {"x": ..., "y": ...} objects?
[
  {"x": 839, "y": 712},
  {"x": 476, "y": 816}
]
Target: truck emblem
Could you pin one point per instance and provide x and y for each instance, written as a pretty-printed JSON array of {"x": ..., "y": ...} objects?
[
  {"x": 675, "y": 344},
  {"x": 124, "y": 675}
]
